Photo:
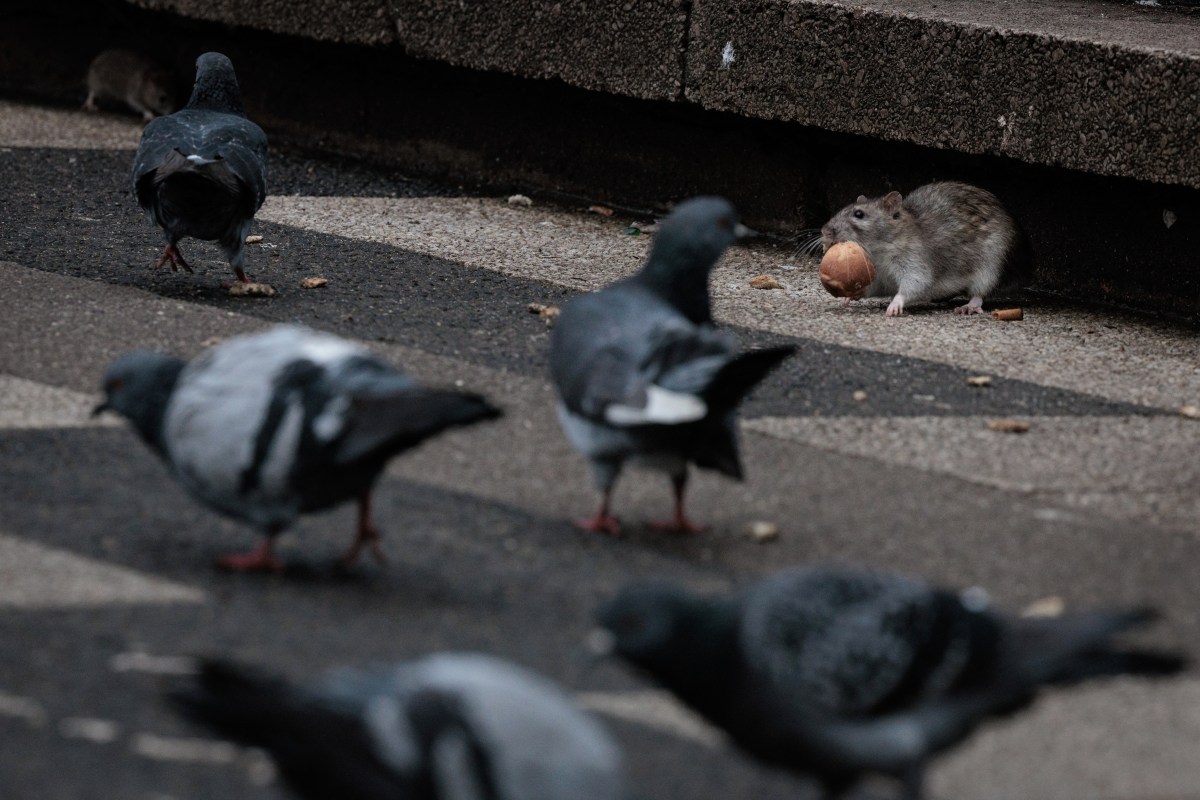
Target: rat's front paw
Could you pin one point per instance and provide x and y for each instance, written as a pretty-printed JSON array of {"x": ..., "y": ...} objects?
[{"x": 896, "y": 308}]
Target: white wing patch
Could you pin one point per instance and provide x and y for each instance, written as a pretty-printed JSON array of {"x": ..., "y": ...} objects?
[
  {"x": 332, "y": 419},
  {"x": 663, "y": 407},
  {"x": 201, "y": 160}
]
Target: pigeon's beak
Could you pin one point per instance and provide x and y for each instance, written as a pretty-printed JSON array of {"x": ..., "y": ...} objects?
[
  {"x": 595, "y": 647},
  {"x": 600, "y": 643},
  {"x": 741, "y": 232},
  {"x": 101, "y": 407}
]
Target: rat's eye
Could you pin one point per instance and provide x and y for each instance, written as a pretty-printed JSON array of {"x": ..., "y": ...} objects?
[
  {"x": 858, "y": 213},
  {"x": 896, "y": 215}
]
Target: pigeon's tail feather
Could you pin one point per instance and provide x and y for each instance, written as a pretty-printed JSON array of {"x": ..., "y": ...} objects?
[
  {"x": 1107, "y": 663},
  {"x": 393, "y": 422},
  {"x": 320, "y": 752},
  {"x": 1075, "y": 647},
  {"x": 735, "y": 380}
]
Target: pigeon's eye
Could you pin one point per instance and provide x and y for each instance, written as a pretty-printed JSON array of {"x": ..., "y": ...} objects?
[
  {"x": 725, "y": 223},
  {"x": 629, "y": 625},
  {"x": 115, "y": 385},
  {"x": 858, "y": 213}
]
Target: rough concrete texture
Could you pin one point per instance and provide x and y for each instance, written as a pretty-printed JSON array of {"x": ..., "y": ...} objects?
[
  {"x": 347, "y": 21},
  {"x": 1105, "y": 89},
  {"x": 630, "y": 48}
]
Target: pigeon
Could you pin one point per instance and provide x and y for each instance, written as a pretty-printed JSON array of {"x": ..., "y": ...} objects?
[
  {"x": 266, "y": 426},
  {"x": 643, "y": 375},
  {"x": 839, "y": 673},
  {"x": 201, "y": 172},
  {"x": 450, "y": 726}
]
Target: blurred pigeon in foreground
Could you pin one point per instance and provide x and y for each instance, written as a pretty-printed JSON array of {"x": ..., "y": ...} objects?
[
  {"x": 201, "y": 172},
  {"x": 839, "y": 673},
  {"x": 447, "y": 727},
  {"x": 642, "y": 373},
  {"x": 267, "y": 426}
]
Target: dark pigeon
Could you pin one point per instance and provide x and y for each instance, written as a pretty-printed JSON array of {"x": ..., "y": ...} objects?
[
  {"x": 446, "y": 727},
  {"x": 270, "y": 425},
  {"x": 839, "y": 673},
  {"x": 201, "y": 172},
  {"x": 642, "y": 374}
]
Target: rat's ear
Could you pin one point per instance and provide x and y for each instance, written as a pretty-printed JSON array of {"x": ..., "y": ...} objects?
[
  {"x": 862, "y": 198},
  {"x": 891, "y": 202}
]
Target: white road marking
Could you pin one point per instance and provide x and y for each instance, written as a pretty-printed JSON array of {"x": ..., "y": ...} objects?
[
  {"x": 654, "y": 709},
  {"x": 29, "y": 404},
  {"x": 1140, "y": 468},
  {"x": 184, "y": 750},
  {"x": 91, "y": 729},
  {"x": 26, "y": 708},
  {"x": 32, "y": 126},
  {"x": 34, "y": 576},
  {"x": 1129, "y": 360},
  {"x": 152, "y": 664}
]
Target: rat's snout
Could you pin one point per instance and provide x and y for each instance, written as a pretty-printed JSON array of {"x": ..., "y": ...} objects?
[{"x": 829, "y": 235}]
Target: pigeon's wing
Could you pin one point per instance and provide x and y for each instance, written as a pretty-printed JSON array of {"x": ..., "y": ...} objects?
[
  {"x": 321, "y": 750},
  {"x": 623, "y": 357},
  {"x": 242, "y": 146},
  {"x": 385, "y": 412},
  {"x": 539, "y": 744},
  {"x": 208, "y": 136},
  {"x": 850, "y": 642}
]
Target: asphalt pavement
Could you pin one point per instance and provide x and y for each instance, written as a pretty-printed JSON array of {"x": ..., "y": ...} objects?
[{"x": 871, "y": 446}]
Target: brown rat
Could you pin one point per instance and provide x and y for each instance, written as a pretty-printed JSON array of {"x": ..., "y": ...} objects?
[
  {"x": 944, "y": 239},
  {"x": 132, "y": 79}
]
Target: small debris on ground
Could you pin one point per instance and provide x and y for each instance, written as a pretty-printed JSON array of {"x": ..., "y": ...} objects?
[
  {"x": 519, "y": 200},
  {"x": 1008, "y": 315},
  {"x": 1008, "y": 425},
  {"x": 632, "y": 230},
  {"x": 253, "y": 239},
  {"x": 979, "y": 380},
  {"x": 239, "y": 289},
  {"x": 546, "y": 313},
  {"x": 859, "y": 395},
  {"x": 212, "y": 341},
  {"x": 313, "y": 283},
  {"x": 603, "y": 211},
  {"x": 1190, "y": 411},
  {"x": 765, "y": 282},
  {"x": 1052, "y": 606},
  {"x": 763, "y": 531}
]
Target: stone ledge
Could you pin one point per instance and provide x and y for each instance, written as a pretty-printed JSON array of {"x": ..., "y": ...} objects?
[{"x": 1084, "y": 84}]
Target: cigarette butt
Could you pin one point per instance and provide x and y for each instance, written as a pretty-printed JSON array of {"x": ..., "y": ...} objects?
[{"x": 1008, "y": 314}]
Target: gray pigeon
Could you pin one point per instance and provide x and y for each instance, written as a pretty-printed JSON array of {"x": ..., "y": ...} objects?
[
  {"x": 201, "y": 172},
  {"x": 270, "y": 425},
  {"x": 446, "y": 727},
  {"x": 643, "y": 375},
  {"x": 839, "y": 673}
]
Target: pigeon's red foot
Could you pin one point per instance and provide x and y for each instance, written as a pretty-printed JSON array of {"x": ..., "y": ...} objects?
[
  {"x": 260, "y": 559},
  {"x": 171, "y": 254},
  {"x": 681, "y": 525},
  {"x": 370, "y": 538},
  {"x": 601, "y": 523}
]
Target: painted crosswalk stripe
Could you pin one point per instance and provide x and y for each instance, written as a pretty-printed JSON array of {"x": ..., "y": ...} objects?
[{"x": 34, "y": 576}]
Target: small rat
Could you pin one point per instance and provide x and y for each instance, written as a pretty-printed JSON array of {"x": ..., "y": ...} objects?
[
  {"x": 132, "y": 79},
  {"x": 943, "y": 239}
]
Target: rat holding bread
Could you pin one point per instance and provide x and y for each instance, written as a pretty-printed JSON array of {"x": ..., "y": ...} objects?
[
  {"x": 942, "y": 240},
  {"x": 132, "y": 79}
]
